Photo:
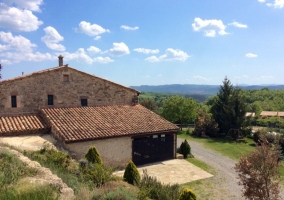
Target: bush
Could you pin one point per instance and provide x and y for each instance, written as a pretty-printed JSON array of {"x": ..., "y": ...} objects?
[
  {"x": 93, "y": 156},
  {"x": 185, "y": 149},
  {"x": 97, "y": 173},
  {"x": 205, "y": 125},
  {"x": 131, "y": 174},
  {"x": 187, "y": 194},
  {"x": 119, "y": 194},
  {"x": 58, "y": 158},
  {"x": 152, "y": 188}
]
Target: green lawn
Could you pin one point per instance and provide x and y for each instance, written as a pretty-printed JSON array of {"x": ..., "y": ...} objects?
[{"x": 226, "y": 147}]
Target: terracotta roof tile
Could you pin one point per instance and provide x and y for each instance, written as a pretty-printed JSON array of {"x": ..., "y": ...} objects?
[
  {"x": 280, "y": 114},
  {"x": 86, "y": 123},
  {"x": 268, "y": 113},
  {"x": 20, "y": 124}
]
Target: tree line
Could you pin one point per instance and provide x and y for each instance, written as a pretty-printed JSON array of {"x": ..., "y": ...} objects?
[{"x": 227, "y": 109}]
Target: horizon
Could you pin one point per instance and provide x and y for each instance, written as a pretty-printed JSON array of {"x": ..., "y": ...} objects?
[{"x": 153, "y": 43}]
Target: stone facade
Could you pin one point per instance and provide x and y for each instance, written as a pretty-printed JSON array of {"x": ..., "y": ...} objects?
[
  {"x": 115, "y": 152},
  {"x": 67, "y": 87}
]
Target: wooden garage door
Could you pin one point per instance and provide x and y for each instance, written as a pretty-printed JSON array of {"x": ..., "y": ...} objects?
[{"x": 152, "y": 149}]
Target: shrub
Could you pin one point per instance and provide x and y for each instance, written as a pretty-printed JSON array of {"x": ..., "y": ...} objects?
[
  {"x": 119, "y": 194},
  {"x": 93, "y": 156},
  {"x": 205, "y": 125},
  {"x": 97, "y": 173},
  {"x": 131, "y": 174},
  {"x": 152, "y": 188},
  {"x": 184, "y": 149},
  {"x": 58, "y": 158},
  {"x": 187, "y": 194}
]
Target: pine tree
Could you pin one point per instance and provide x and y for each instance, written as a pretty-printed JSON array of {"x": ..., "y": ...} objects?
[
  {"x": 131, "y": 174},
  {"x": 229, "y": 108},
  {"x": 93, "y": 156}
]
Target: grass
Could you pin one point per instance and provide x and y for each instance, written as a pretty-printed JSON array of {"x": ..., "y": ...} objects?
[
  {"x": 12, "y": 186},
  {"x": 201, "y": 165},
  {"x": 226, "y": 147}
]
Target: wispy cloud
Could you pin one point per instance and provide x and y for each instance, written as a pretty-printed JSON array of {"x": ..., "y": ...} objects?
[
  {"x": 250, "y": 55},
  {"x": 170, "y": 55},
  {"x": 201, "y": 78},
  {"x": 146, "y": 51},
  {"x": 238, "y": 25},
  {"x": 128, "y": 28}
]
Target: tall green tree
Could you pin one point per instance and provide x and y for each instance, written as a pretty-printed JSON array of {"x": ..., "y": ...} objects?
[
  {"x": 229, "y": 107},
  {"x": 150, "y": 104},
  {"x": 179, "y": 110}
]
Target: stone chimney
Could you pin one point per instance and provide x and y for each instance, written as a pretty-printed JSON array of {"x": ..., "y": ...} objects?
[{"x": 60, "y": 60}]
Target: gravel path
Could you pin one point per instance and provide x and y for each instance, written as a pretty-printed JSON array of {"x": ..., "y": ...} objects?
[{"x": 225, "y": 180}]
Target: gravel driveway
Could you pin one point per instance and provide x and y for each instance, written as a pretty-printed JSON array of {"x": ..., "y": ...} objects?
[{"x": 225, "y": 179}]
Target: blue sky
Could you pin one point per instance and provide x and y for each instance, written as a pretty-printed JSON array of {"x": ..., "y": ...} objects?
[{"x": 139, "y": 42}]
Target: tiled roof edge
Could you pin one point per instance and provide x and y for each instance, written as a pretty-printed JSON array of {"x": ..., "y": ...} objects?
[{"x": 173, "y": 131}]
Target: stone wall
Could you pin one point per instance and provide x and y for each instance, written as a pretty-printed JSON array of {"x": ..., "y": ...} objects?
[
  {"x": 67, "y": 85},
  {"x": 115, "y": 152}
]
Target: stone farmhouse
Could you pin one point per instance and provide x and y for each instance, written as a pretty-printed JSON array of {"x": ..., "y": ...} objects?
[{"x": 81, "y": 110}]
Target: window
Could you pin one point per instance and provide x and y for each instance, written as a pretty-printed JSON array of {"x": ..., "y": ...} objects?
[
  {"x": 50, "y": 100},
  {"x": 66, "y": 78},
  {"x": 14, "y": 101},
  {"x": 84, "y": 102}
]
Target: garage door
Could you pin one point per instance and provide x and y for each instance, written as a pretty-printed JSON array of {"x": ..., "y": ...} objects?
[{"x": 152, "y": 149}]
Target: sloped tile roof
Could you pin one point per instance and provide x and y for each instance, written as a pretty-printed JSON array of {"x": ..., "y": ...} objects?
[
  {"x": 268, "y": 113},
  {"x": 281, "y": 114},
  {"x": 86, "y": 123},
  {"x": 20, "y": 124}
]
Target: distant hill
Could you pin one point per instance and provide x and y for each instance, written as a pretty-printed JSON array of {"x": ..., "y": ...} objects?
[{"x": 191, "y": 89}]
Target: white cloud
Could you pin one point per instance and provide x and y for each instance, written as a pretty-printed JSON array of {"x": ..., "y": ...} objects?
[
  {"x": 103, "y": 60},
  {"x": 93, "y": 50},
  {"x": 276, "y": 4},
  {"x": 119, "y": 49},
  {"x": 97, "y": 37},
  {"x": 16, "y": 43},
  {"x": 16, "y": 57},
  {"x": 80, "y": 55},
  {"x": 128, "y": 28},
  {"x": 16, "y": 19},
  {"x": 20, "y": 49},
  {"x": 170, "y": 55},
  {"x": 5, "y": 62},
  {"x": 266, "y": 77},
  {"x": 201, "y": 78},
  {"x": 152, "y": 59},
  {"x": 261, "y": 1},
  {"x": 32, "y": 5},
  {"x": 209, "y": 27},
  {"x": 91, "y": 29},
  {"x": 238, "y": 25},
  {"x": 51, "y": 38},
  {"x": 250, "y": 55},
  {"x": 146, "y": 51}
]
